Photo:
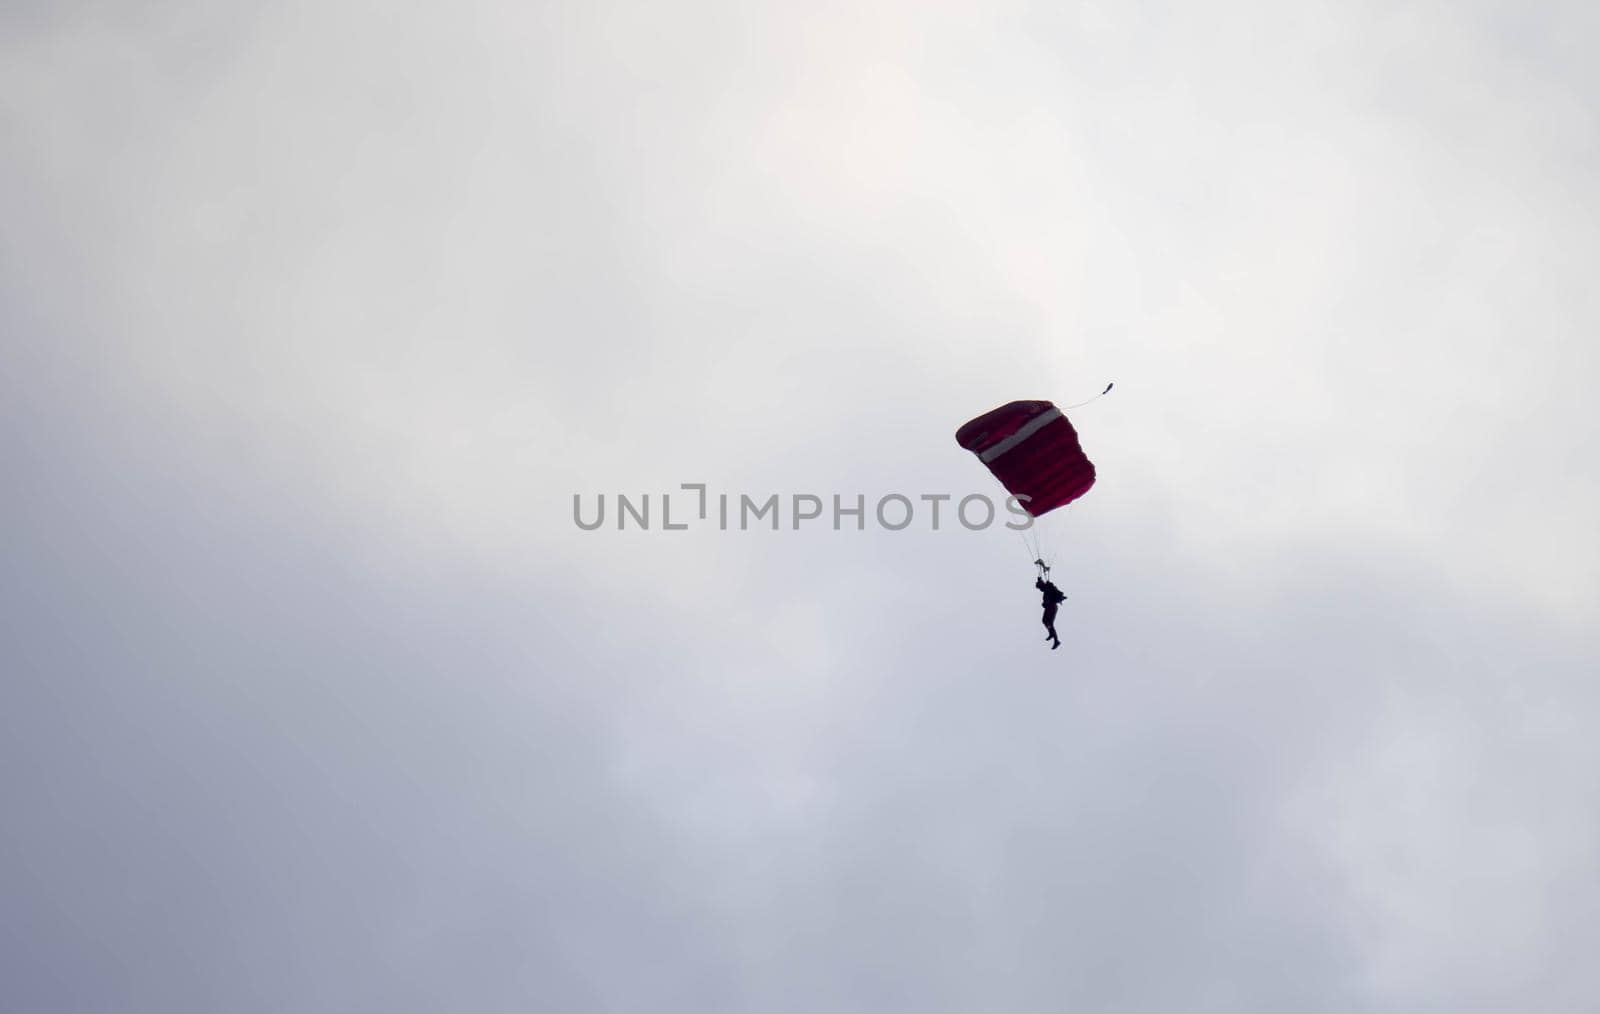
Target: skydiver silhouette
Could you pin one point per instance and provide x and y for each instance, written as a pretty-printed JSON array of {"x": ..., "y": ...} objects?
[{"x": 1052, "y": 600}]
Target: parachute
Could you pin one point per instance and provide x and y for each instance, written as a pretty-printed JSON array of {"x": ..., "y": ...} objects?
[{"x": 1031, "y": 447}]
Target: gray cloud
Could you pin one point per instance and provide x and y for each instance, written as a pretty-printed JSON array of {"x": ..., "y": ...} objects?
[{"x": 315, "y": 319}]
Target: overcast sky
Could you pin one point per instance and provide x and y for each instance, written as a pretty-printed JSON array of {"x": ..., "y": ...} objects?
[{"x": 314, "y": 317}]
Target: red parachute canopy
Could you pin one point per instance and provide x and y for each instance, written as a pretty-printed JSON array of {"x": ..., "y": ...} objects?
[{"x": 1034, "y": 452}]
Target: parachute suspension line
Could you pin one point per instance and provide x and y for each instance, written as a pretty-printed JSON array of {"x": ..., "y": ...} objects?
[
  {"x": 1026, "y": 548},
  {"x": 1030, "y": 539},
  {"x": 1028, "y": 535},
  {"x": 1097, "y": 397},
  {"x": 1042, "y": 550}
]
